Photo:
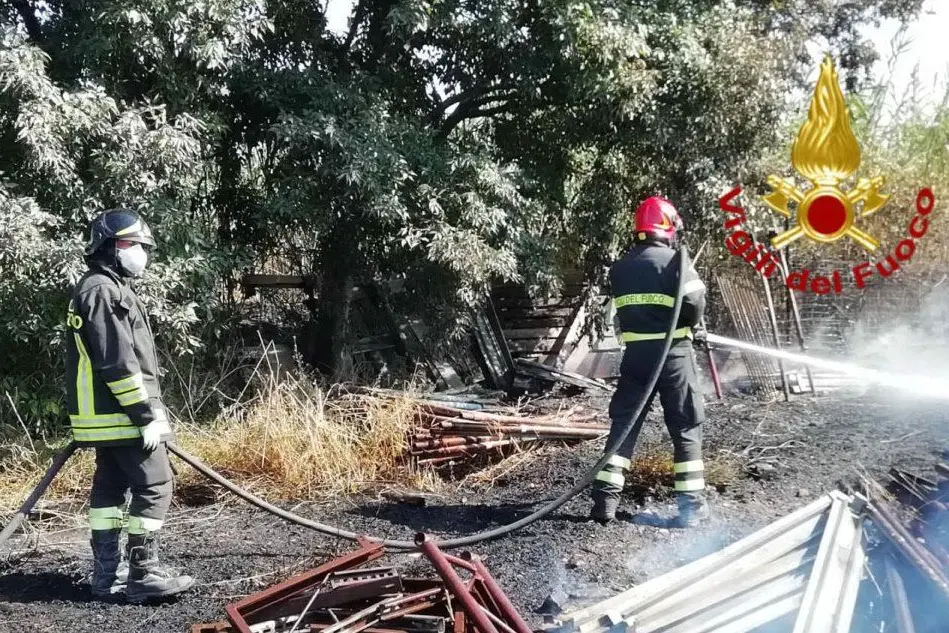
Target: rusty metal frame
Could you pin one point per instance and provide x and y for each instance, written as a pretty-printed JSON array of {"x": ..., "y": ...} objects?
[
  {"x": 313, "y": 627},
  {"x": 482, "y": 585},
  {"x": 747, "y": 311},
  {"x": 238, "y": 612}
]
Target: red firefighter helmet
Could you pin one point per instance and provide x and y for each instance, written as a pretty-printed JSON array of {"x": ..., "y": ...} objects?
[{"x": 657, "y": 218}]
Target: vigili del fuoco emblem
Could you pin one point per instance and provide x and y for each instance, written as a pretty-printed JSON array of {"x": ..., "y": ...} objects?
[{"x": 826, "y": 153}]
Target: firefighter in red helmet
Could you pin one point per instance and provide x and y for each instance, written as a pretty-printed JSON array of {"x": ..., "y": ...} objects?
[{"x": 644, "y": 283}]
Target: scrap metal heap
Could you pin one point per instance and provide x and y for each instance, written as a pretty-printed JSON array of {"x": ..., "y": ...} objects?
[
  {"x": 842, "y": 563},
  {"x": 848, "y": 561},
  {"x": 449, "y": 429},
  {"x": 445, "y": 434},
  {"x": 345, "y": 596}
]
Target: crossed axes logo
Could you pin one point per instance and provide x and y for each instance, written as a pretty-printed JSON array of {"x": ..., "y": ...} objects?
[{"x": 826, "y": 153}]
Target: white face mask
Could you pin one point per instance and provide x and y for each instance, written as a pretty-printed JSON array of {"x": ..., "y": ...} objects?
[{"x": 132, "y": 259}]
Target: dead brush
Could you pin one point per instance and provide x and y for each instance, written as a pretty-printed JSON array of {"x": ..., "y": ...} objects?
[
  {"x": 22, "y": 466},
  {"x": 285, "y": 439},
  {"x": 291, "y": 442},
  {"x": 651, "y": 473}
]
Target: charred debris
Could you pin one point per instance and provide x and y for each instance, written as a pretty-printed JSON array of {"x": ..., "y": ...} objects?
[
  {"x": 870, "y": 558},
  {"x": 872, "y": 555},
  {"x": 516, "y": 344}
]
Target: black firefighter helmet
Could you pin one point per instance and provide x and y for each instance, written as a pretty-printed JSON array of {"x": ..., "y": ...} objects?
[{"x": 118, "y": 224}]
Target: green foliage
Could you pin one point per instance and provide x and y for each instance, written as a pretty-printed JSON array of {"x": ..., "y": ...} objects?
[
  {"x": 451, "y": 142},
  {"x": 902, "y": 138}
]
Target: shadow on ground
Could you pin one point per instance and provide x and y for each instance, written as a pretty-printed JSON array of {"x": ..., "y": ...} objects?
[
  {"x": 461, "y": 518},
  {"x": 446, "y": 518},
  {"x": 42, "y": 587}
]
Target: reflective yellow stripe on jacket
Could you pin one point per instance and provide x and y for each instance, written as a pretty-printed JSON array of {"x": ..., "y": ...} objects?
[
  {"x": 103, "y": 428},
  {"x": 87, "y": 426},
  {"x": 129, "y": 390},
  {"x": 644, "y": 299},
  {"x": 84, "y": 392},
  {"x": 632, "y": 337}
]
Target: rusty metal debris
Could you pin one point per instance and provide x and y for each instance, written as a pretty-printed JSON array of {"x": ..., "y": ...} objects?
[
  {"x": 481, "y": 597},
  {"x": 749, "y": 317},
  {"x": 345, "y": 596},
  {"x": 444, "y": 433},
  {"x": 452, "y": 430}
]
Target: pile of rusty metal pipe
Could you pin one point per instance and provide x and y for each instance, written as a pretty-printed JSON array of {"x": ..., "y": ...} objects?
[
  {"x": 444, "y": 433},
  {"x": 343, "y": 596}
]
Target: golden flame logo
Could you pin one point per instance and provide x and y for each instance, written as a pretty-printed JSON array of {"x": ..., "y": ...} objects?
[{"x": 826, "y": 153}]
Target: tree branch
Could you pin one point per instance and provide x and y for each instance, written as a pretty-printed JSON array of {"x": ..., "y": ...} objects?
[
  {"x": 376, "y": 32},
  {"x": 357, "y": 20},
  {"x": 30, "y": 21},
  {"x": 471, "y": 111},
  {"x": 475, "y": 93}
]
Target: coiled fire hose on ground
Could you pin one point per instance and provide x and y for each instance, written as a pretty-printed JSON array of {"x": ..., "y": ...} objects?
[{"x": 635, "y": 422}]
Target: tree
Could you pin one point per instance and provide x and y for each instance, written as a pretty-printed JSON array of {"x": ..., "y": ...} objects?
[{"x": 452, "y": 142}]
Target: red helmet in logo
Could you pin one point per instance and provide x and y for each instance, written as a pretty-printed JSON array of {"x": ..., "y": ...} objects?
[{"x": 656, "y": 217}]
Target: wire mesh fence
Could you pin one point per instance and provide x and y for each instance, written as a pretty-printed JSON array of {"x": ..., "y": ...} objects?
[{"x": 892, "y": 323}]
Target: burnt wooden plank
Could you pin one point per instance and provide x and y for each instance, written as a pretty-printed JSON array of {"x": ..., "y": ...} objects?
[
  {"x": 541, "y": 346},
  {"x": 375, "y": 343},
  {"x": 567, "y": 339},
  {"x": 276, "y": 281},
  {"x": 498, "y": 331},
  {"x": 546, "y": 372},
  {"x": 532, "y": 333},
  {"x": 539, "y": 321},
  {"x": 557, "y": 308},
  {"x": 514, "y": 289},
  {"x": 492, "y": 361}
]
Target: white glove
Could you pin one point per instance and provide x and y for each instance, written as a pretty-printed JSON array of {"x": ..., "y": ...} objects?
[
  {"x": 152, "y": 432},
  {"x": 151, "y": 435}
]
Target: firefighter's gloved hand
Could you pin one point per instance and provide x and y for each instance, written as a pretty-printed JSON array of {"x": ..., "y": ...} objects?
[
  {"x": 151, "y": 434},
  {"x": 700, "y": 336}
]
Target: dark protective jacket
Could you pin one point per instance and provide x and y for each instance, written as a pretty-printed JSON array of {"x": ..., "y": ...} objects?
[
  {"x": 644, "y": 284},
  {"x": 111, "y": 366}
]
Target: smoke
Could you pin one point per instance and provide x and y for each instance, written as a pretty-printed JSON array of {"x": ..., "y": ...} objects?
[
  {"x": 919, "y": 384},
  {"x": 673, "y": 549},
  {"x": 913, "y": 344},
  {"x": 568, "y": 592}
]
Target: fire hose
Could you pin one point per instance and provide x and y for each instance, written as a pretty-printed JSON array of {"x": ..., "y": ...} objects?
[{"x": 635, "y": 423}]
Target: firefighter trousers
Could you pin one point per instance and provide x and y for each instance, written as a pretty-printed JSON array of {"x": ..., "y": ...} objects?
[
  {"x": 683, "y": 410},
  {"x": 122, "y": 469}
]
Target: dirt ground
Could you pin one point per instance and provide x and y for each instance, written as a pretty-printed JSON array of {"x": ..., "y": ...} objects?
[{"x": 783, "y": 455}]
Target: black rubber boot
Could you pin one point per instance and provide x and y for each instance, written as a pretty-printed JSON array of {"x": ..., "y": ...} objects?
[
  {"x": 106, "y": 564},
  {"x": 148, "y": 578},
  {"x": 604, "y": 508},
  {"x": 693, "y": 510}
]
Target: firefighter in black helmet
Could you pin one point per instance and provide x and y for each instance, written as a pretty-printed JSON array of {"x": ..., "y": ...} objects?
[{"x": 115, "y": 406}]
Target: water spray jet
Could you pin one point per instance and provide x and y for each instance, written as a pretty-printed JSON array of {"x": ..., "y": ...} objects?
[{"x": 915, "y": 384}]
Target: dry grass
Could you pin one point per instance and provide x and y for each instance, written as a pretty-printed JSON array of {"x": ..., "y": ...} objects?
[
  {"x": 652, "y": 471},
  {"x": 293, "y": 443},
  {"x": 287, "y": 441},
  {"x": 22, "y": 466}
]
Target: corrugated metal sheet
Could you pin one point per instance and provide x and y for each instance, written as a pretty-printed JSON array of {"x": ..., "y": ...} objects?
[{"x": 808, "y": 565}]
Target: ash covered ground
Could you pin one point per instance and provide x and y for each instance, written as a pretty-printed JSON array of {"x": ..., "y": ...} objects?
[{"x": 775, "y": 458}]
